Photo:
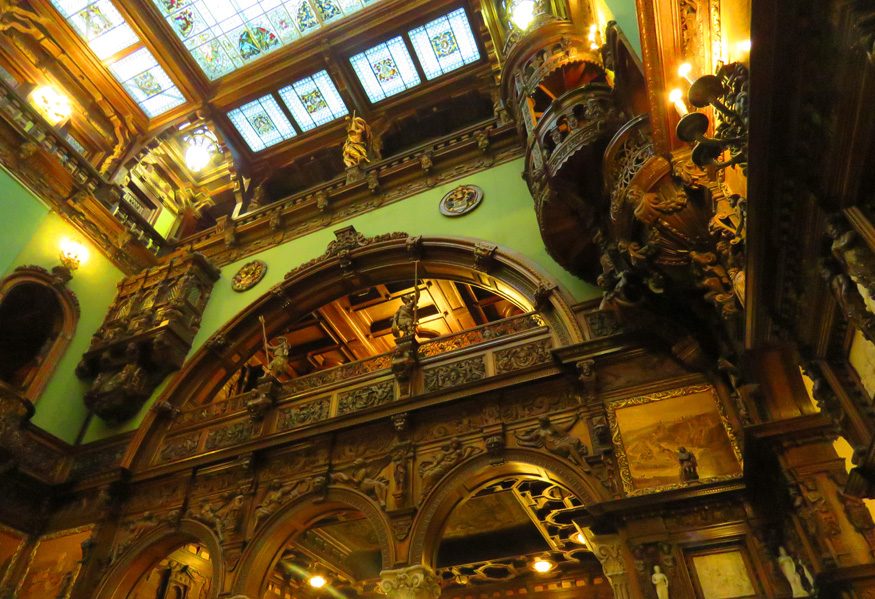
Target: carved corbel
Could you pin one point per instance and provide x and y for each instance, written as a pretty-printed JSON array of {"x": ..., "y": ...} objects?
[
  {"x": 373, "y": 181},
  {"x": 848, "y": 297},
  {"x": 855, "y": 258},
  {"x": 401, "y": 422},
  {"x": 165, "y": 409},
  {"x": 276, "y": 220},
  {"x": 322, "y": 200},
  {"x": 495, "y": 442},
  {"x": 543, "y": 292},
  {"x": 226, "y": 227},
  {"x": 414, "y": 247},
  {"x": 484, "y": 256},
  {"x": 263, "y": 399}
]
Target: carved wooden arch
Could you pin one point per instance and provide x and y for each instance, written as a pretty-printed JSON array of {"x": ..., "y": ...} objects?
[
  {"x": 153, "y": 547},
  {"x": 352, "y": 262},
  {"x": 469, "y": 477},
  {"x": 50, "y": 355},
  {"x": 265, "y": 549}
]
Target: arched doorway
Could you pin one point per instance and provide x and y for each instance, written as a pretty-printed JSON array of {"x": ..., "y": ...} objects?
[
  {"x": 332, "y": 542},
  {"x": 167, "y": 562},
  {"x": 515, "y": 528}
]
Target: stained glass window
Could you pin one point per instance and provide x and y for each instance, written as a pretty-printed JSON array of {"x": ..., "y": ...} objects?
[
  {"x": 445, "y": 44},
  {"x": 224, "y": 35},
  {"x": 146, "y": 82},
  {"x": 313, "y": 101},
  {"x": 99, "y": 24},
  {"x": 262, "y": 123},
  {"x": 385, "y": 70}
]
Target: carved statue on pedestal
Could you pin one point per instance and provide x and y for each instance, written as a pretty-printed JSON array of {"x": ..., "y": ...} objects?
[
  {"x": 660, "y": 582},
  {"x": 358, "y": 141}
]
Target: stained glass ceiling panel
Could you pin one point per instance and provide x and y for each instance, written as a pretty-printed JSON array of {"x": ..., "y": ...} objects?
[
  {"x": 385, "y": 70},
  {"x": 444, "y": 44},
  {"x": 224, "y": 35},
  {"x": 262, "y": 123},
  {"x": 313, "y": 101},
  {"x": 146, "y": 82},
  {"x": 99, "y": 24}
]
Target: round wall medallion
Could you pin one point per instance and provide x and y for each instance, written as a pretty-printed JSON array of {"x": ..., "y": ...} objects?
[
  {"x": 461, "y": 200},
  {"x": 249, "y": 275}
]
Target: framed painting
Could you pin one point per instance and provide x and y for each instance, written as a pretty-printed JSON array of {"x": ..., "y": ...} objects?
[
  {"x": 11, "y": 544},
  {"x": 650, "y": 430},
  {"x": 53, "y": 565},
  {"x": 722, "y": 573}
]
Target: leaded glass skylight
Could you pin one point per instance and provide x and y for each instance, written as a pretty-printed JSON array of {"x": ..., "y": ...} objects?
[
  {"x": 146, "y": 82},
  {"x": 224, "y": 35},
  {"x": 385, "y": 70},
  {"x": 107, "y": 33},
  {"x": 262, "y": 123},
  {"x": 313, "y": 101},
  {"x": 99, "y": 24},
  {"x": 445, "y": 44}
]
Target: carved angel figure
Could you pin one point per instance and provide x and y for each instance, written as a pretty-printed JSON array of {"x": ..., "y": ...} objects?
[
  {"x": 278, "y": 494},
  {"x": 358, "y": 139},
  {"x": 556, "y": 441},
  {"x": 366, "y": 478},
  {"x": 224, "y": 517},
  {"x": 451, "y": 454}
]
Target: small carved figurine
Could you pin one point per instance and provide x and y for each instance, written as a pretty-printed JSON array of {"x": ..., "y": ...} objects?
[
  {"x": 689, "y": 465},
  {"x": 660, "y": 582},
  {"x": 280, "y": 357}
]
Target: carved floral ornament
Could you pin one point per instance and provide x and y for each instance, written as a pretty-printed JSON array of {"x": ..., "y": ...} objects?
[
  {"x": 461, "y": 200},
  {"x": 249, "y": 275}
]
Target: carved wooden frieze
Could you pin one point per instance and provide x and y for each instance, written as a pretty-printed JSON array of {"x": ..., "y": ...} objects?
[
  {"x": 524, "y": 356},
  {"x": 147, "y": 332},
  {"x": 455, "y": 373},
  {"x": 366, "y": 397},
  {"x": 231, "y": 434},
  {"x": 295, "y": 416},
  {"x": 179, "y": 447}
]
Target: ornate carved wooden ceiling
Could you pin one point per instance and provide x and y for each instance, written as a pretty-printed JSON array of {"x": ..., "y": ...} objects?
[{"x": 358, "y": 325}]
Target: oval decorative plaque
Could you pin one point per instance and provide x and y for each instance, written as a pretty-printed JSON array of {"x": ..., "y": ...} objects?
[
  {"x": 461, "y": 200},
  {"x": 249, "y": 275}
]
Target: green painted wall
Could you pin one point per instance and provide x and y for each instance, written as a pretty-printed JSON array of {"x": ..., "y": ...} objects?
[
  {"x": 505, "y": 217},
  {"x": 60, "y": 409},
  {"x": 626, "y": 16},
  {"x": 22, "y": 215}
]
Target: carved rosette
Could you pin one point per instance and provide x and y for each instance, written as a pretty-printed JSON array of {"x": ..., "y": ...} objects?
[{"x": 415, "y": 582}]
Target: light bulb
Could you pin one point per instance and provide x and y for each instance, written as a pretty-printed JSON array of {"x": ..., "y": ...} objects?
[
  {"x": 523, "y": 13},
  {"x": 684, "y": 71},
  {"x": 317, "y": 582},
  {"x": 541, "y": 565},
  {"x": 73, "y": 253},
  {"x": 580, "y": 538},
  {"x": 676, "y": 97},
  {"x": 197, "y": 157}
]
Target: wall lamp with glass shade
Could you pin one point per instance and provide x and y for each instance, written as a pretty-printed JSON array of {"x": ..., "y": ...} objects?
[
  {"x": 72, "y": 255},
  {"x": 52, "y": 105}
]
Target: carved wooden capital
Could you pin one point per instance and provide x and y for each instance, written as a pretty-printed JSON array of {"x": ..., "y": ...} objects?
[{"x": 415, "y": 582}]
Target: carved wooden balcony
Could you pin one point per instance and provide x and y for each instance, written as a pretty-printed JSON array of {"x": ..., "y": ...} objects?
[
  {"x": 362, "y": 390},
  {"x": 548, "y": 61}
]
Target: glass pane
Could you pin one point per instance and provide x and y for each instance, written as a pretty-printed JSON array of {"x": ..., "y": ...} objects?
[
  {"x": 385, "y": 70},
  {"x": 99, "y": 24},
  {"x": 262, "y": 123},
  {"x": 313, "y": 101},
  {"x": 224, "y": 35},
  {"x": 444, "y": 44},
  {"x": 146, "y": 82}
]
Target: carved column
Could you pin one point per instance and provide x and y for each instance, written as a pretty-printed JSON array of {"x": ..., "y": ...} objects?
[
  {"x": 609, "y": 551},
  {"x": 414, "y": 582}
]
